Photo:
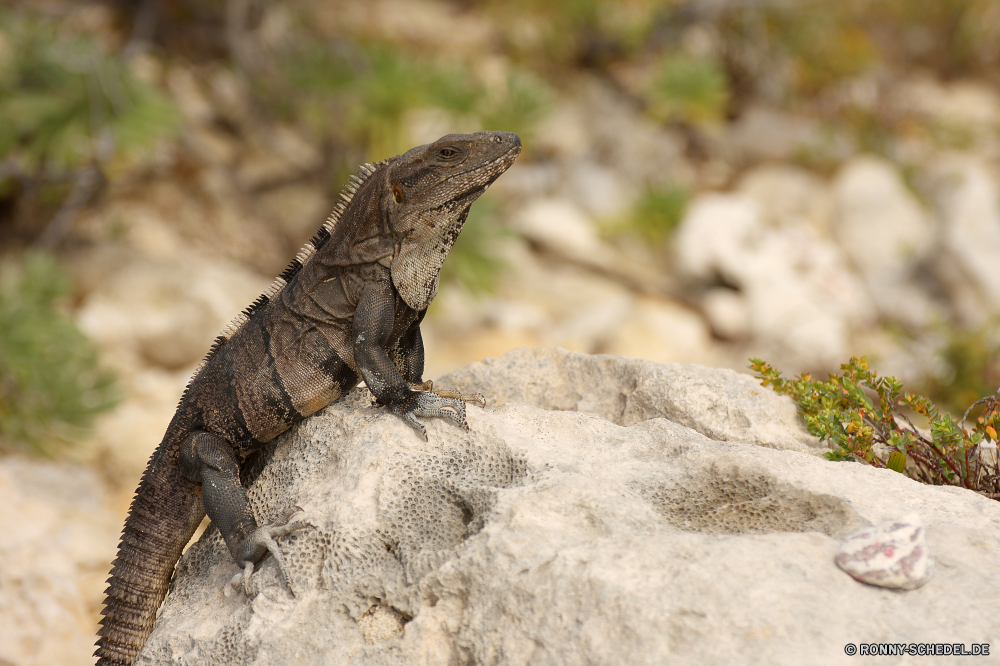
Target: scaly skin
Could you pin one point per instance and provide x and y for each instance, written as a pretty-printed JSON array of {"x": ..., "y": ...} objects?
[{"x": 348, "y": 307}]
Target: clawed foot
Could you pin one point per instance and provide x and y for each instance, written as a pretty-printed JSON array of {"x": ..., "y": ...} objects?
[
  {"x": 425, "y": 403},
  {"x": 261, "y": 541}
]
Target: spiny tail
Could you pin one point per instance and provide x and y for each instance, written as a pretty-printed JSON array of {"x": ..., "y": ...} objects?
[{"x": 164, "y": 514}]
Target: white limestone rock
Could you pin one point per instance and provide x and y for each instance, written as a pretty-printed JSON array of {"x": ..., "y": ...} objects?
[
  {"x": 893, "y": 554},
  {"x": 789, "y": 196},
  {"x": 763, "y": 133},
  {"x": 165, "y": 312},
  {"x": 559, "y": 225},
  {"x": 590, "y": 535},
  {"x": 59, "y": 537},
  {"x": 803, "y": 298},
  {"x": 727, "y": 313},
  {"x": 598, "y": 189},
  {"x": 663, "y": 331},
  {"x": 641, "y": 151},
  {"x": 970, "y": 106},
  {"x": 718, "y": 403},
  {"x": 968, "y": 197},
  {"x": 881, "y": 226}
]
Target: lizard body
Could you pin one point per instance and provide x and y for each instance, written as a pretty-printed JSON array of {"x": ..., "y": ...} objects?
[{"x": 347, "y": 308}]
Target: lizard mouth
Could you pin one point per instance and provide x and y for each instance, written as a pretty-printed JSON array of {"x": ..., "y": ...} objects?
[{"x": 494, "y": 169}]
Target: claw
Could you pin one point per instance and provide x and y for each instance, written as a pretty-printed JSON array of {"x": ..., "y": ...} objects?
[
  {"x": 262, "y": 540},
  {"x": 241, "y": 578},
  {"x": 412, "y": 420}
]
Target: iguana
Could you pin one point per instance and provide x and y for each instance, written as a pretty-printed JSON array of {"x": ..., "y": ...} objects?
[{"x": 347, "y": 308}]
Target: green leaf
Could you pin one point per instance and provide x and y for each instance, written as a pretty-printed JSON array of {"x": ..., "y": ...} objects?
[{"x": 897, "y": 461}]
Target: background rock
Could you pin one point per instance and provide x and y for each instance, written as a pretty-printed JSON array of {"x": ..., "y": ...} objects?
[
  {"x": 887, "y": 236},
  {"x": 801, "y": 296},
  {"x": 763, "y": 133},
  {"x": 969, "y": 202},
  {"x": 60, "y": 534},
  {"x": 155, "y": 319},
  {"x": 789, "y": 196}
]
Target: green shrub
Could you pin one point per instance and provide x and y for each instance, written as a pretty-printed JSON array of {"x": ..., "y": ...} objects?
[
  {"x": 857, "y": 409},
  {"x": 688, "y": 89},
  {"x": 60, "y": 97},
  {"x": 51, "y": 386}
]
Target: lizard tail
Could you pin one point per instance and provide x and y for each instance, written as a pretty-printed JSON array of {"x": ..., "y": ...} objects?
[{"x": 164, "y": 514}]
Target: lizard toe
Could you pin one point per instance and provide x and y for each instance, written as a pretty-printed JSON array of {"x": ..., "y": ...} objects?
[
  {"x": 240, "y": 579},
  {"x": 411, "y": 418},
  {"x": 261, "y": 541},
  {"x": 477, "y": 398},
  {"x": 434, "y": 405}
]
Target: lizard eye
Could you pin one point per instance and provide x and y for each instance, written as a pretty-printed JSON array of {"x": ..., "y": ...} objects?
[
  {"x": 447, "y": 152},
  {"x": 397, "y": 194}
]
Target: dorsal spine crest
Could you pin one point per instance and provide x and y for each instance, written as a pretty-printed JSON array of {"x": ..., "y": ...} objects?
[{"x": 354, "y": 182}]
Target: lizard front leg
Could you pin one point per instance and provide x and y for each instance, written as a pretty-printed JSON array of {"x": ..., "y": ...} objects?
[
  {"x": 210, "y": 461},
  {"x": 408, "y": 357},
  {"x": 374, "y": 319}
]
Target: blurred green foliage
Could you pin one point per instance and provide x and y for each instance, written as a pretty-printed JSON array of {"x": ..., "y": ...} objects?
[
  {"x": 370, "y": 90},
  {"x": 820, "y": 44},
  {"x": 372, "y": 87},
  {"x": 824, "y": 43},
  {"x": 550, "y": 35},
  {"x": 516, "y": 106},
  {"x": 688, "y": 89},
  {"x": 60, "y": 96},
  {"x": 473, "y": 262},
  {"x": 953, "y": 37},
  {"x": 654, "y": 215},
  {"x": 971, "y": 360},
  {"x": 51, "y": 386}
]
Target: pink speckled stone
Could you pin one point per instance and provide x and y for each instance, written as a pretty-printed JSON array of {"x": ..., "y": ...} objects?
[{"x": 893, "y": 554}]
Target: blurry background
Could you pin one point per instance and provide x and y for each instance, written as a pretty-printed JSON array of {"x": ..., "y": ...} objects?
[{"x": 702, "y": 181}]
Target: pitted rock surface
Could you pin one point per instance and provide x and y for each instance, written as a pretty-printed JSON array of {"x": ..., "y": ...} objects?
[{"x": 591, "y": 510}]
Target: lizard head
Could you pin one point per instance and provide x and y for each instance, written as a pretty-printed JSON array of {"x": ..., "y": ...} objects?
[{"x": 430, "y": 189}]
